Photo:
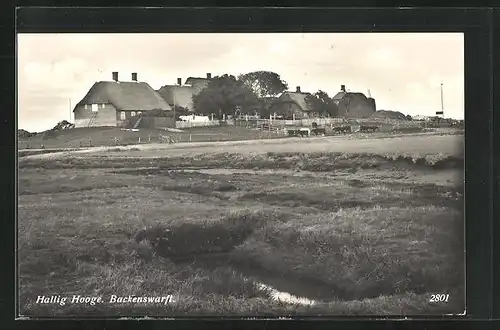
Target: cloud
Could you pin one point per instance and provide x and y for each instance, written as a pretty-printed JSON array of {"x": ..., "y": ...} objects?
[
  {"x": 58, "y": 74},
  {"x": 45, "y": 110}
]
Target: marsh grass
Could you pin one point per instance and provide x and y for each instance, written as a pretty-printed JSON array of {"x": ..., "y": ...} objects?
[
  {"x": 316, "y": 162},
  {"x": 112, "y": 264},
  {"x": 412, "y": 250},
  {"x": 373, "y": 248},
  {"x": 204, "y": 188},
  {"x": 357, "y": 195}
]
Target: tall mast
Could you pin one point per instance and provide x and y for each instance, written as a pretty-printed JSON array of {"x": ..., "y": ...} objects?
[
  {"x": 175, "y": 118},
  {"x": 442, "y": 103}
]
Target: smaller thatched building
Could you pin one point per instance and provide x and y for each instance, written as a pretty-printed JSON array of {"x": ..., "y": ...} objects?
[
  {"x": 293, "y": 105},
  {"x": 354, "y": 105},
  {"x": 182, "y": 95}
]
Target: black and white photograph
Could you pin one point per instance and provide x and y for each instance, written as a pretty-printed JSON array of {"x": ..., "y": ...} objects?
[{"x": 240, "y": 174}]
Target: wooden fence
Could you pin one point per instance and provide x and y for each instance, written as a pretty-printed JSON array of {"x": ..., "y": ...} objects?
[
  {"x": 327, "y": 122},
  {"x": 298, "y": 122},
  {"x": 190, "y": 124}
]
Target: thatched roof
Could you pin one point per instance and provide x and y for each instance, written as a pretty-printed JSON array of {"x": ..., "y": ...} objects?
[
  {"x": 298, "y": 98},
  {"x": 125, "y": 96},
  {"x": 191, "y": 80},
  {"x": 339, "y": 96},
  {"x": 389, "y": 114}
]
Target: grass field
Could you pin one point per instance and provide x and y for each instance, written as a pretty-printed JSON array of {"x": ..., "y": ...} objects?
[
  {"x": 114, "y": 136},
  {"x": 355, "y": 226},
  {"x": 105, "y": 136}
]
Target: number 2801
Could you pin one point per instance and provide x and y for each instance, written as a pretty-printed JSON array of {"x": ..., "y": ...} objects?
[{"x": 439, "y": 297}]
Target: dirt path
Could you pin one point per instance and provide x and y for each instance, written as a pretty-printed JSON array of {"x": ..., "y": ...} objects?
[
  {"x": 447, "y": 144},
  {"x": 409, "y": 144}
]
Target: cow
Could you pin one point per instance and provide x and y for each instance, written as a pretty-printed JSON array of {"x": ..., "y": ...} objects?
[
  {"x": 318, "y": 131},
  {"x": 299, "y": 132},
  {"x": 363, "y": 128},
  {"x": 341, "y": 129},
  {"x": 304, "y": 132}
]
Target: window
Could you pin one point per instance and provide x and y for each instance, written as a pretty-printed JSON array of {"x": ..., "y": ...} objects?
[
  {"x": 95, "y": 107},
  {"x": 122, "y": 115},
  {"x": 132, "y": 113},
  {"x": 85, "y": 107}
]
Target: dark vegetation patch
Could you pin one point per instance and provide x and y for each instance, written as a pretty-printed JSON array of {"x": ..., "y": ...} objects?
[
  {"x": 204, "y": 188},
  {"x": 358, "y": 195},
  {"x": 67, "y": 189},
  {"x": 315, "y": 198},
  {"x": 188, "y": 240}
]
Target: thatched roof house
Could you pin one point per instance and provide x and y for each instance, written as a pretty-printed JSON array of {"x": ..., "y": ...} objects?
[
  {"x": 355, "y": 105},
  {"x": 293, "y": 105},
  {"x": 198, "y": 83},
  {"x": 111, "y": 103},
  {"x": 182, "y": 95}
]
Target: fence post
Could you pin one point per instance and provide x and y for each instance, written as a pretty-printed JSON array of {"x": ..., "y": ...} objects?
[
  {"x": 149, "y": 138},
  {"x": 90, "y": 141},
  {"x": 139, "y": 139},
  {"x": 189, "y": 137}
]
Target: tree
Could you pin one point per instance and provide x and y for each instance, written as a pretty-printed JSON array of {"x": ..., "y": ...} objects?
[
  {"x": 265, "y": 104},
  {"x": 157, "y": 113},
  {"x": 286, "y": 111},
  {"x": 223, "y": 95},
  {"x": 323, "y": 104},
  {"x": 180, "y": 111},
  {"x": 264, "y": 83}
]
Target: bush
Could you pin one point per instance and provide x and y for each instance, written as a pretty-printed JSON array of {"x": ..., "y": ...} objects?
[{"x": 158, "y": 113}]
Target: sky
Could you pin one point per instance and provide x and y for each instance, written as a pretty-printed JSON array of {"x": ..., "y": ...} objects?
[{"x": 402, "y": 71}]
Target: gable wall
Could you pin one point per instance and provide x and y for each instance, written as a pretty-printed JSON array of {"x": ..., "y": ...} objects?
[{"x": 105, "y": 116}]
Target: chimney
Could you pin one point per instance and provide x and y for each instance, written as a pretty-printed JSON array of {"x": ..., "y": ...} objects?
[
  {"x": 134, "y": 76},
  {"x": 209, "y": 76},
  {"x": 298, "y": 89},
  {"x": 115, "y": 76},
  {"x": 342, "y": 88},
  {"x": 179, "y": 81}
]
